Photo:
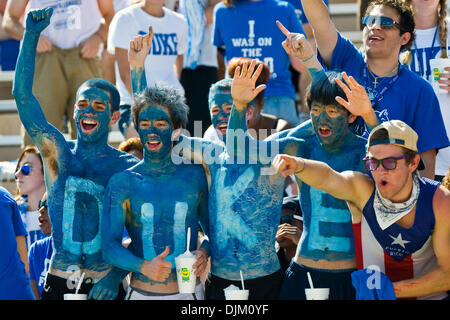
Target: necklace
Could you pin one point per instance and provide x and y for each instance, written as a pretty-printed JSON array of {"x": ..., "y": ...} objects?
[{"x": 375, "y": 78}]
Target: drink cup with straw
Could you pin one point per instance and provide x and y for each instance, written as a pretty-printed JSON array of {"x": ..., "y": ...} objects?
[
  {"x": 316, "y": 293},
  {"x": 185, "y": 272},
  {"x": 76, "y": 295},
  {"x": 233, "y": 293}
]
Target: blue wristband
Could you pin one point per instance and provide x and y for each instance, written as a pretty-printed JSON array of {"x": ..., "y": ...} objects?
[{"x": 308, "y": 58}]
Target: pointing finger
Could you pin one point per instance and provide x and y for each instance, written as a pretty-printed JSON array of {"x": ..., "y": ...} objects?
[{"x": 283, "y": 28}]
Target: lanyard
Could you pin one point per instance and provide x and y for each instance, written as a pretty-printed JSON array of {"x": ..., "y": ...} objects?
[
  {"x": 376, "y": 94},
  {"x": 420, "y": 65}
]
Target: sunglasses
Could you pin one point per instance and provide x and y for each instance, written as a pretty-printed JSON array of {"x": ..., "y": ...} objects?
[
  {"x": 42, "y": 204},
  {"x": 390, "y": 163},
  {"x": 383, "y": 22},
  {"x": 288, "y": 218},
  {"x": 25, "y": 170}
]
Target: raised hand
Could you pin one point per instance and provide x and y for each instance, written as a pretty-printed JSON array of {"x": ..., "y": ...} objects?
[
  {"x": 38, "y": 20},
  {"x": 296, "y": 44},
  {"x": 243, "y": 88},
  {"x": 358, "y": 102},
  {"x": 139, "y": 48},
  {"x": 157, "y": 269}
]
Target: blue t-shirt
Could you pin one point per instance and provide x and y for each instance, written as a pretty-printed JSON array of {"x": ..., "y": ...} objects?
[
  {"x": 407, "y": 97},
  {"x": 14, "y": 282},
  {"x": 248, "y": 29},
  {"x": 39, "y": 257},
  {"x": 299, "y": 9}
]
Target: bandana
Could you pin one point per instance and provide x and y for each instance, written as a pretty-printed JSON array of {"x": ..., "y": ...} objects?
[{"x": 388, "y": 212}]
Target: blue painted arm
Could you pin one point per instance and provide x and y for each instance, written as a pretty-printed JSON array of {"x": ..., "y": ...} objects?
[
  {"x": 113, "y": 222},
  {"x": 138, "y": 80},
  {"x": 28, "y": 107},
  {"x": 108, "y": 287},
  {"x": 196, "y": 150},
  {"x": 302, "y": 131}
]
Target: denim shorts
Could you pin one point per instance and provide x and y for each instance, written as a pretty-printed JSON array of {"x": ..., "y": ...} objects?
[{"x": 282, "y": 107}]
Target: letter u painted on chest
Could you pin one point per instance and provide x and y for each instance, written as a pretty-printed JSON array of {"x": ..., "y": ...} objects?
[{"x": 179, "y": 230}]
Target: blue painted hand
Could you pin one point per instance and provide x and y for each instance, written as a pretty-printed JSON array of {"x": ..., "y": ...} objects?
[
  {"x": 38, "y": 20},
  {"x": 105, "y": 289}
]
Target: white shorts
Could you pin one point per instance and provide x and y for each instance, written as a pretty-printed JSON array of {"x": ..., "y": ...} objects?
[{"x": 132, "y": 294}]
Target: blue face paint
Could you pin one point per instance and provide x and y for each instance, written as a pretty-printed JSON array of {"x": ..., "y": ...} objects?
[
  {"x": 156, "y": 209},
  {"x": 330, "y": 123},
  {"x": 155, "y": 130},
  {"x": 220, "y": 107},
  {"x": 92, "y": 115}
]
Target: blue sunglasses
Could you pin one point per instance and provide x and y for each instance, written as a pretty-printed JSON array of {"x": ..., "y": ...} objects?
[
  {"x": 25, "y": 169},
  {"x": 382, "y": 21}
]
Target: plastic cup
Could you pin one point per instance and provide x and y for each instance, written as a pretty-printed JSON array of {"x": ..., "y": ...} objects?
[
  {"x": 75, "y": 296},
  {"x": 236, "y": 294},
  {"x": 185, "y": 273},
  {"x": 317, "y": 294},
  {"x": 437, "y": 67}
]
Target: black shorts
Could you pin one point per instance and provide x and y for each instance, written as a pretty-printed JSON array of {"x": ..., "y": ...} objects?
[
  {"x": 296, "y": 281},
  {"x": 264, "y": 288},
  {"x": 55, "y": 288}
]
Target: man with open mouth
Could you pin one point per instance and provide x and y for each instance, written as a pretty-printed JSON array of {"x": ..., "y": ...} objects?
[
  {"x": 76, "y": 173},
  {"x": 400, "y": 220},
  {"x": 388, "y": 30},
  {"x": 157, "y": 200},
  {"x": 325, "y": 249}
]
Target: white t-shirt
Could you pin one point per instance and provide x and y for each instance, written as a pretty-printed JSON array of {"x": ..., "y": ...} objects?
[
  {"x": 425, "y": 49},
  {"x": 72, "y": 21},
  {"x": 169, "y": 41}
]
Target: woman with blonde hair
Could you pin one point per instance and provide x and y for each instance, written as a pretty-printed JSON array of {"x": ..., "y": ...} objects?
[
  {"x": 30, "y": 182},
  {"x": 432, "y": 42}
]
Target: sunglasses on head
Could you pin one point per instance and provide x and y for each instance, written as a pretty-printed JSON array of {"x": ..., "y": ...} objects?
[
  {"x": 383, "y": 22},
  {"x": 390, "y": 163},
  {"x": 25, "y": 169}
]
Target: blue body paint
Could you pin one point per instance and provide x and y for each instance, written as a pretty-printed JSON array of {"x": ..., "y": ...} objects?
[
  {"x": 76, "y": 172},
  {"x": 156, "y": 200},
  {"x": 327, "y": 231}
]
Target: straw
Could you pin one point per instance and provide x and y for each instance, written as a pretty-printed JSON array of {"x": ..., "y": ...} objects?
[
  {"x": 79, "y": 283},
  {"x": 310, "y": 281},
  {"x": 188, "y": 239},
  {"x": 242, "y": 280}
]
